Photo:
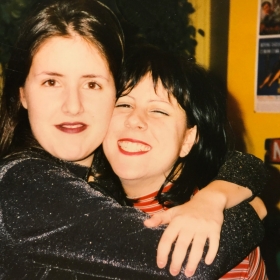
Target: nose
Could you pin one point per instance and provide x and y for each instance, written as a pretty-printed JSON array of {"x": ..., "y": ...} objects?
[
  {"x": 136, "y": 120},
  {"x": 72, "y": 103}
]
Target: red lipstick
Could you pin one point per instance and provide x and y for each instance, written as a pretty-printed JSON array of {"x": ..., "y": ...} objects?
[
  {"x": 131, "y": 147},
  {"x": 71, "y": 128}
]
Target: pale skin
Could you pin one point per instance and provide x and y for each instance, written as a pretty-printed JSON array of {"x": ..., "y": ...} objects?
[
  {"x": 204, "y": 213},
  {"x": 70, "y": 96},
  {"x": 143, "y": 125}
]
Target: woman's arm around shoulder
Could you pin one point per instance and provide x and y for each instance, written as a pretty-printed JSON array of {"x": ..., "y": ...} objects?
[{"x": 55, "y": 222}]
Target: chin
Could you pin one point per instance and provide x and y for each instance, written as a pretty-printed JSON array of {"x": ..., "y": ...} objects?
[
  {"x": 130, "y": 176},
  {"x": 72, "y": 156}
]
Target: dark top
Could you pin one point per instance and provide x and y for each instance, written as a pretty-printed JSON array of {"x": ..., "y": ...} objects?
[
  {"x": 53, "y": 225},
  {"x": 245, "y": 170}
]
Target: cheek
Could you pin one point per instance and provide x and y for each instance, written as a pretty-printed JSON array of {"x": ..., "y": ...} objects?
[
  {"x": 101, "y": 107},
  {"x": 101, "y": 113},
  {"x": 104, "y": 112},
  {"x": 113, "y": 133},
  {"x": 172, "y": 136},
  {"x": 39, "y": 109},
  {"x": 116, "y": 128},
  {"x": 33, "y": 111},
  {"x": 37, "y": 103}
]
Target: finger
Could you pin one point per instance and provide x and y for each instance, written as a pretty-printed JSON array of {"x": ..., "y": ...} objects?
[
  {"x": 180, "y": 250},
  {"x": 153, "y": 221},
  {"x": 196, "y": 253},
  {"x": 214, "y": 241},
  {"x": 159, "y": 219},
  {"x": 165, "y": 244}
]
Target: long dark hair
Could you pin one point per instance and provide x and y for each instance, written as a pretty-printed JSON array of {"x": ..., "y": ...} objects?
[
  {"x": 87, "y": 18},
  {"x": 205, "y": 106}
]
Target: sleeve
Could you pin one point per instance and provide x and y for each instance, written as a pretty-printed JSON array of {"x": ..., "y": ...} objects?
[
  {"x": 244, "y": 170},
  {"x": 54, "y": 226}
]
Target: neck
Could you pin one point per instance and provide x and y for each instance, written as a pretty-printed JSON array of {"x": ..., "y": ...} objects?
[
  {"x": 86, "y": 161},
  {"x": 140, "y": 187}
]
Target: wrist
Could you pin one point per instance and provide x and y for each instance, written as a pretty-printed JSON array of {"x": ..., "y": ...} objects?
[
  {"x": 214, "y": 195},
  {"x": 234, "y": 194}
]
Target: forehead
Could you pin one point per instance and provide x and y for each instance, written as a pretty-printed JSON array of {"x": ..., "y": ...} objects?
[
  {"x": 147, "y": 89},
  {"x": 157, "y": 87},
  {"x": 61, "y": 51}
]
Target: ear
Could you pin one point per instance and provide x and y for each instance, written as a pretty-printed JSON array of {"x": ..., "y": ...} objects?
[
  {"x": 190, "y": 138},
  {"x": 22, "y": 97}
]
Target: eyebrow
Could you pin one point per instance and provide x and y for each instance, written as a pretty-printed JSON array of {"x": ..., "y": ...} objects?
[
  {"x": 163, "y": 102},
  {"x": 94, "y": 76},
  {"x": 151, "y": 100},
  {"x": 49, "y": 73},
  {"x": 60, "y": 75}
]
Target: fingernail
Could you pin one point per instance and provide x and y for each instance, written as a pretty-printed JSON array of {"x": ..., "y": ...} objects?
[
  {"x": 208, "y": 261},
  {"x": 161, "y": 264},
  {"x": 173, "y": 271},
  {"x": 189, "y": 273}
]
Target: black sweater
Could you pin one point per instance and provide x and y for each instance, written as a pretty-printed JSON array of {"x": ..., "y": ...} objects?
[{"x": 53, "y": 225}]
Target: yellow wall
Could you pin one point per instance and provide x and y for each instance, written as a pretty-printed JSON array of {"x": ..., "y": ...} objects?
[
  {"x": 201, "y": 20},
  {"x": 241, "y": 76}
]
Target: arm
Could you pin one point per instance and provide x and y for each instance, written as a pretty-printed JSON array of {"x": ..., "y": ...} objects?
[
  {"x": 205, "y": 211},
  {"x": 57, "y": 223},
  {"x": 259, "y": 207},
  {"x": 244, "y": 170}
]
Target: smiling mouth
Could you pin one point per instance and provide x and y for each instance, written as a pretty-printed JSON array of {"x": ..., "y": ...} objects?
[
  {"x": 71, "y": 127},
  {"x": 133, "y": 146}
]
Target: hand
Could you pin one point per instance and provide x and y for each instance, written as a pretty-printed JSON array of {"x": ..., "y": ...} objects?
[{"x": 194, "y": 222}]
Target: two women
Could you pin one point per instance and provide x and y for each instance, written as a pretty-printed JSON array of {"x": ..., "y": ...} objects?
[{"x": 57, "y": 102}]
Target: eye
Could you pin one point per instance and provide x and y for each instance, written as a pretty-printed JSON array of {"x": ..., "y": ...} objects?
[
  {"x": 123, "y": 105},
  {"x": 160, "y": 112},
  {"x": 51, "y": 83},
  {"x": 92, "y": 85}
]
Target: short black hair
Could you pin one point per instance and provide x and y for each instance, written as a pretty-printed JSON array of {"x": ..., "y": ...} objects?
[{"x": 205, "y": 105}]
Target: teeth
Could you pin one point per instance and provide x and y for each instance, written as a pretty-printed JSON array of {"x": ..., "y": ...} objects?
[
  {"x": 133, "y": 147},
  {"x": 72, "y": 125}
]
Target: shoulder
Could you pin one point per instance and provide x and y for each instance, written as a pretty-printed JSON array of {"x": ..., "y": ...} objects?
[
  {"x": 37, "y": 191},
  {"x": 37, "y": 172},
  {"x": 34, "y": 174},
  {"x": 243, "y": 162},
  {"x": 235, "y": 155},
  {"x": 29, "y": 161},
  {"x": 38, "y": 161}
]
